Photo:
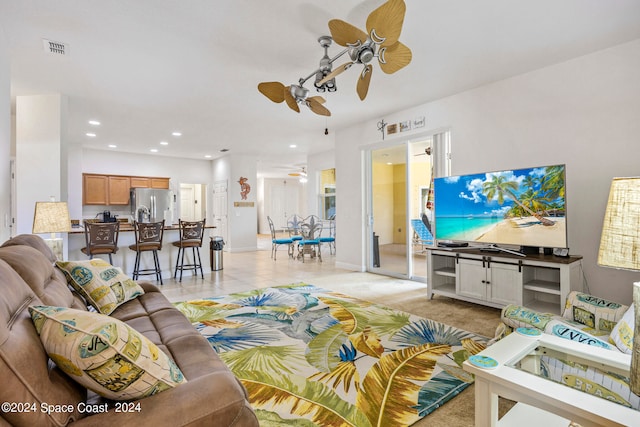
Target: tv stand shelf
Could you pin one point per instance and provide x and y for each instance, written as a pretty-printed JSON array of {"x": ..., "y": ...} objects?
[{"x": 540, "y": 282}]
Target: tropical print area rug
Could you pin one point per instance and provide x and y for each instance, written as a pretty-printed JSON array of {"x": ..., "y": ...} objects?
[{"x": 309, "y": 356}]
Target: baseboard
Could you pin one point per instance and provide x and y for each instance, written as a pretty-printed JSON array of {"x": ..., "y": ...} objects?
[
  {"x": 247, "y": 249},
  {"x": 352, "y": 267}
]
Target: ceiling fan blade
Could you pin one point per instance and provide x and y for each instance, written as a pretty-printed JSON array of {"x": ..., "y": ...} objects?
[
  {"x": 394, "y": 57},
  {"x": 385, "y": 23},
  {"x": 363, "y": 82},
  {"x": 290, "y": 100},
  {"x": 316, "y": 106},
  {"x": 272, "y": 90},
  {"x": 338, "y": 70},
  {"x": 320, "y": 99},
  {"x": 346, "y": 34}
]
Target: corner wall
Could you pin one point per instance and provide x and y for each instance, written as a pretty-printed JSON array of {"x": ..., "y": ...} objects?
[
  {"x": 583, "y": 112},
  {"x": 5, "y": 140}
]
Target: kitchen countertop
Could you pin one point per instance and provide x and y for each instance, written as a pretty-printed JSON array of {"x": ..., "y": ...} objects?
[{"x": 126, "y": 227}]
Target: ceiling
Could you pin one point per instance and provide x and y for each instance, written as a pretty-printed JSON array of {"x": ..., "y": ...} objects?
[{"x": 146, "y": 68}]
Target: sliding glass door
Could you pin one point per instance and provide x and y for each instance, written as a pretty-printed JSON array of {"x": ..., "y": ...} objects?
[
  {"x": 388, "y": 211},
  {"x": 400, "y": 217}
]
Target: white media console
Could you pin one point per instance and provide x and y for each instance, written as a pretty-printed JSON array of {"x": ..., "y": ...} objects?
[{"x": 540, "y": 282}]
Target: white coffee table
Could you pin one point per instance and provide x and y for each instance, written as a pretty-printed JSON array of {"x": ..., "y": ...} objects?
[{"x": 544, "y": 402}]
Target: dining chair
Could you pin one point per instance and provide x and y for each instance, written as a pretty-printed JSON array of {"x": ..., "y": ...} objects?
[
  {"x": 148, "y": 237},
  {"x": 331, "y": 238},
  {"x": 293, "y": 226},
  {"x": 191, "y": 234},
  {"x": 276, "y": 241},
  {"x": 310, "y": 243},
  {"x": 101, "y": 238}
]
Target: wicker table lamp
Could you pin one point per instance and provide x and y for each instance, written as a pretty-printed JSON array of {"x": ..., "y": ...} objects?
[
  {"x": 52, "y": 217},
  {"x": 620, "y": 248}
]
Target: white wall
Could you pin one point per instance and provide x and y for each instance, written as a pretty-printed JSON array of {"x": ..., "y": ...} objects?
[
  {"x": 5, "y": 140},
  {"x": 40, "y": 146},
  {"x": 242, "y": 220},
  {"x": 584, "y": 113}
]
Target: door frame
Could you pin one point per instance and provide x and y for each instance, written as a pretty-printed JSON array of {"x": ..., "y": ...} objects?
[{"x": 441, "y": 167}]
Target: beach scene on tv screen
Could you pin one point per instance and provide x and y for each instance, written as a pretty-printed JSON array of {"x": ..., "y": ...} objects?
[{"x": 523, "y": 207}]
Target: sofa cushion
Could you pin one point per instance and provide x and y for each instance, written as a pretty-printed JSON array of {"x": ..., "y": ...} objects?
[
  {"x": 46, "y": 281},
  {"x": 104, "y": 286},
  {"x": 104, "y": 354},
  {"x": 622, "y": 333},
  {"x": 26, "y": 375},
  {"x": 33, "y": 241}
]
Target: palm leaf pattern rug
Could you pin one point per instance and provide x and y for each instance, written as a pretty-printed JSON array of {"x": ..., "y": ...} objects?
[{"x": 310, "y": 356}]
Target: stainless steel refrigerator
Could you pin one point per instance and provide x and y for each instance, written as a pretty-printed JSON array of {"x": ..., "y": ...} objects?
[{"x": 151, "y": 205}]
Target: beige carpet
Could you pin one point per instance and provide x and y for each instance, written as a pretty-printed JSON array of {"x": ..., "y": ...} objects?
[{"x": 412, "y": 297}]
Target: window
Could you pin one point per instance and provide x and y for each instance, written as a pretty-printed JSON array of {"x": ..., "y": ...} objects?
[{"x": 327, "y": 193}]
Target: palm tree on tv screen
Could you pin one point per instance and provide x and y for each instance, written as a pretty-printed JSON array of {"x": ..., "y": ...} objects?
[{"x": 499, "y": 188}]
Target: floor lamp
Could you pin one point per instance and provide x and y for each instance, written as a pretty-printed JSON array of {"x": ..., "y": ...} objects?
[
  {"x": 620, "y": 248},
  {"x": 52, "y": 217}
]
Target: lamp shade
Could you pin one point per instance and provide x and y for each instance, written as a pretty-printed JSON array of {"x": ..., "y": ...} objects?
[
  {"x": 51, "y": 217},
  {"x": 620, "y": 241}
]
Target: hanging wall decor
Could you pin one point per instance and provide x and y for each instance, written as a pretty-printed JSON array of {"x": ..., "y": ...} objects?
[{"x": 245, "y": 188}]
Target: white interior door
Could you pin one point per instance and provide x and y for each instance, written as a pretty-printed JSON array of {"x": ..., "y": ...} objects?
[
  {"x": 187, "y": 202},
  {"x": 220, "y": 200},
  {"x": 283, "y": 203}
]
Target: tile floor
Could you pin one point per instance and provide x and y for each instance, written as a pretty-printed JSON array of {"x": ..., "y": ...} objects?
[{"x": 243, "y": 271}]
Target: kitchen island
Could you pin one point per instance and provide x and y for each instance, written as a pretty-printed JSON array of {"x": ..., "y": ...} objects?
[{"x": 125, "y": 257}]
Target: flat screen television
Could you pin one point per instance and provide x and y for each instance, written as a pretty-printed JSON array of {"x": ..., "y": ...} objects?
[{"x": 523, "y": 207}]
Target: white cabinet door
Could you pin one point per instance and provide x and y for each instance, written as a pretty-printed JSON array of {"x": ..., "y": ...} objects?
[
  {"x": 471, "y": 280},
  {"x": 505, "y": 284}
]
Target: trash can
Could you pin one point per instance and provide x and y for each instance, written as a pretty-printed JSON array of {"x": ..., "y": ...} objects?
[{"x": 215, "y": 249}]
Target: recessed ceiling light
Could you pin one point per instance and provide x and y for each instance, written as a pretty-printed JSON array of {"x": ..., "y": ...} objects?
[
  {"x": 113, "y": 146},
  {"x": 164, "y": 143},
  {"x": 176, "y": 133},
  {"x": 91, "y": 134},
  {"x": 207, "y": 156},
  {"x": 94, "y": 122},
  {"x": 154, "y": 150},
  {"x": 292, "y": 146}
]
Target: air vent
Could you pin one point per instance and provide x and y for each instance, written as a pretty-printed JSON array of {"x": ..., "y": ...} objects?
[{"x": 56, "y": 48}]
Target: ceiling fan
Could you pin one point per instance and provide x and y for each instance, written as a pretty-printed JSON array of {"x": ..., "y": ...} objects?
[
  {"x": 380, "y": 41},
  {"x": 384, "y": 25},
  {"x": 302, "y": 172},
  {"x": 293, "y": 95},
  {"x": 298, "y": 94}
]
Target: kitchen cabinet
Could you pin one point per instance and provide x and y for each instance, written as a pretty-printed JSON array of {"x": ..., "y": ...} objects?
[
  {"x": 140, "y": 182},
  {"x": 119, "y": 187},
  {"x": 540, "y": 282},
  {"x": 160, "y": 183},
  {"x": 99, "y": 189},
  {"x": 95, "y": 189}
]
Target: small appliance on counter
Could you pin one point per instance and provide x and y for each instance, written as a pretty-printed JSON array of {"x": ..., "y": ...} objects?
[{"x": 107, "y": 217}]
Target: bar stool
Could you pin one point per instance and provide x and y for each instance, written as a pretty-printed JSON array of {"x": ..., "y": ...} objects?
[
  {"x": 148, "y": 239},
  {"x": 101, "y": 238},
  {"x": 191, "y": 234}
]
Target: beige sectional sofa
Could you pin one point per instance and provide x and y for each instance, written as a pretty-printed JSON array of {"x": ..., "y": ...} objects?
[{"x": 36, "y": 392}]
